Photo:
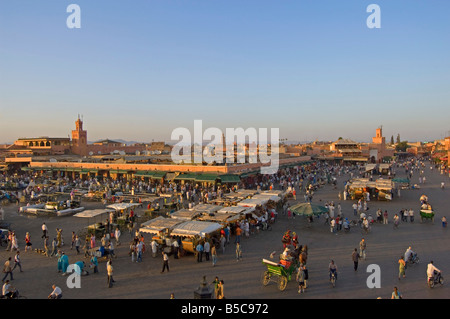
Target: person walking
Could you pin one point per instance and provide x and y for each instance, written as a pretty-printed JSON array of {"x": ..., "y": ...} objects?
[
  {"x": 362, "y": 249},
  {"x": 332, "y": 225},
  {"x": 117, "y": 234},
  {"x": 396, "y": 221},
  {"x": 214, "y": 255},
  {"x": 355, "y": 258},
  {"x": 227, "y": 234},
  {"x": 411, "y": 215},
  {"x": 92, "y": 241},
  {"x": 73, "y": 240},
  {"x": 9, "y": 241},
  {"x": 301, "y": 279},
  {"x": 59, "y": 237},
  {"x": 176, "y": 248},
  {"x": 110, "y": 272},
  {"x": 28, "y": 244},
  {"x": 165, "y": 262},
  {"x": 44, "y": 230},
  {"x": 94, "y": 263},
  {"x": 221, "y": 290},
  {"x": 154, "y": 245},
  {"x": 7, "y": 269},
  {"x": 77, "y": 243},
  {"x": 199, "y": 249},
  {"x": 46, "y": 246},
  {"x": 17, "y": 262},
  {"x": 14, "y": 242},
  {"x": 216, "y": 283},
  {"x": 111, "y": 249},
  {"x": 238, "y": 252},
  {"x": 207, "y": 249},
  {"x": 139, "y": 248},
  {"x": 385, "y": 217},
  {"x": 54, "y": 248},
  {"x": 86, "y": 246},
  {"x": 222, "y": 243},
  {"x": 401, "y": 268},
  {"x": 238, "y": 235}
]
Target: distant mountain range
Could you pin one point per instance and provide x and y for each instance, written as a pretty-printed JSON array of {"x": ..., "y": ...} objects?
[{"x": 119, "y": 141}]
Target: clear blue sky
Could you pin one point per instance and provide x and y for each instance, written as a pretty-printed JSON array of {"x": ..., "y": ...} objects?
[{"x": 138, "y": 69}]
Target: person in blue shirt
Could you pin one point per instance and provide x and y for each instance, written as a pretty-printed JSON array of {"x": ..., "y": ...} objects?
[
  {"x": 94, "y": 263},
  {"x": 199, "y": 250}
]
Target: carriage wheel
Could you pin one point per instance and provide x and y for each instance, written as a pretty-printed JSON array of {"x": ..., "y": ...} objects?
[
  {"x": 265, "y": 278},
  {"x": 282, "y": 283}
]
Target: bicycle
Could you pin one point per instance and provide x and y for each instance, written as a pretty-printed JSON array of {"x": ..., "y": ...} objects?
[
  {"x": 333, "y": 279},
  {"x": 365, "y": 230}
]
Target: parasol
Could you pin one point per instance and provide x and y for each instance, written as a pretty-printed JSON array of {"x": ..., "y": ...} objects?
[{"x": 308, "y": 209}]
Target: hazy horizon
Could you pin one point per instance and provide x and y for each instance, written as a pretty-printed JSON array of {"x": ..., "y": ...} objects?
[{"x": 137, "y": 71}]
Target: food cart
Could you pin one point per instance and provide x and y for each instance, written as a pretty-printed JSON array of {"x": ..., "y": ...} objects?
[
  {"x": 194, "y": 230},
  {"x": 95, "y": 218},
  {"x": 160, "y": 228}
]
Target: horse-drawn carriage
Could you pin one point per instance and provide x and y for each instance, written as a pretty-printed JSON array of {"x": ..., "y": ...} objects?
[
  {"x": 281, "y": 272},
  {"x": 426, "y": 211}
]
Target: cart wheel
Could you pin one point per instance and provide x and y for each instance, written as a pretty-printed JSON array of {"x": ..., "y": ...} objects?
[
  {"x": 266, "y": 278},
  {"x": 282, "y": 283}
]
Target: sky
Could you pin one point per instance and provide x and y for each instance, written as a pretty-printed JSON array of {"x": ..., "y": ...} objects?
[{"x": 138, "y": 70}]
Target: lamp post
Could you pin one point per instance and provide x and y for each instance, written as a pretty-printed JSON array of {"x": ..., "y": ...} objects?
[{"x": 204, "y": 291}]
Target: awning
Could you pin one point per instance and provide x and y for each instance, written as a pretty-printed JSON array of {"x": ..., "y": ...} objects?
[
  {"x": 118, "y": 171},
  {"x": 93, "y": 213},
  {"x": 229, "y": 178},
  {"x": 158, "y": 224},
  {"x": 195, "y": 228},
  {"x": 186, "y": 177},
  {"x": 141, "y": 174},
  {"x": 401, "y": 180},
  {"x": 122, "y": 206},
  {"x": 157, "y": 174},
  {"x": 247, "y": 174},
  {"x": 184, "y": 214},
  {"x": 206, "y": 178}
]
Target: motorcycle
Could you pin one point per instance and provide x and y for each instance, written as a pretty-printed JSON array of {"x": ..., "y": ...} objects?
[
  {"x": 436, "y": 279},
  {"x": 413, "y": 259}
]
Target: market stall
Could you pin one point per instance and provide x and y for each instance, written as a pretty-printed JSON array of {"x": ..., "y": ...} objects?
[
  {"x": 160, "y": 228},
  {"x": 193, "y": 231},
  {"x": 185, "y": 214}
]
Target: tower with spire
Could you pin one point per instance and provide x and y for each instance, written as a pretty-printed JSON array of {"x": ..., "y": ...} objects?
[{"x": 79, "y": 138}]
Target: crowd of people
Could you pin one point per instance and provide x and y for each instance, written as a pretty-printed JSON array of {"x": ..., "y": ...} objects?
[{"x": 306, "y": 180}]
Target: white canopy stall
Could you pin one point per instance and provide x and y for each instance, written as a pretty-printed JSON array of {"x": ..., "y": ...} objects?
[
  {"x": 94, "y": 215},
  {"x": 185, "y": 214},
  {"x": 193, "y": 230}
]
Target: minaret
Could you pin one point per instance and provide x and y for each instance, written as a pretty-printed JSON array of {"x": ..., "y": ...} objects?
[{"x": 79, "y": 139}]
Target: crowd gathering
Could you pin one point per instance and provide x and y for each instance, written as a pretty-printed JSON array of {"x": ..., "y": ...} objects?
[{"x": 303, "y": 179}]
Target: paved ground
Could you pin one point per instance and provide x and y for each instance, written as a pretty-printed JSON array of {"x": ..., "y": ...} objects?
[{"x": 243, "y": 279}]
